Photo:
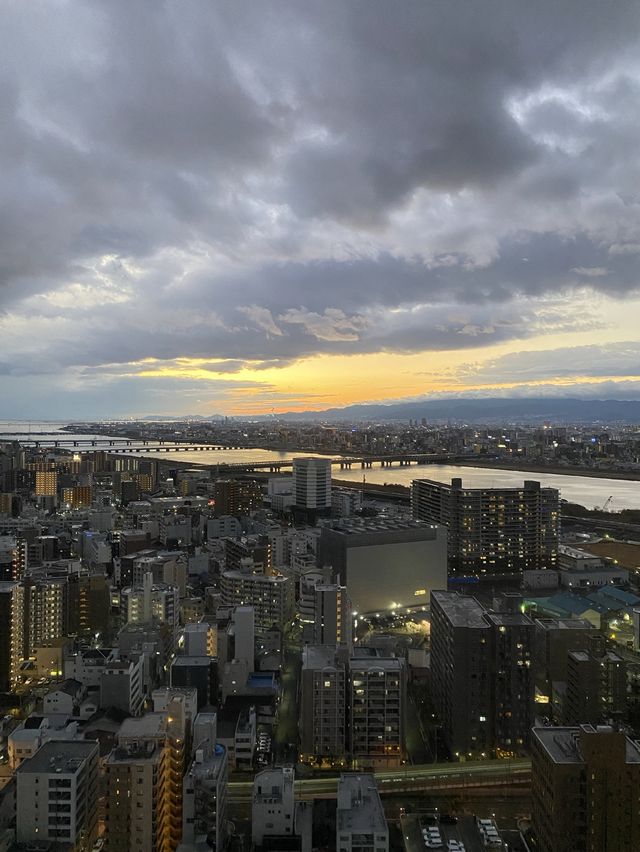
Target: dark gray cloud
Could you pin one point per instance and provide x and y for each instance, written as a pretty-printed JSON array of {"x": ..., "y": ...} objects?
[{"x": 266, "y": 182}]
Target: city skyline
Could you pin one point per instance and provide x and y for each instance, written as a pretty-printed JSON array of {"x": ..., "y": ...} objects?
[{"x": 240, "y": 209}]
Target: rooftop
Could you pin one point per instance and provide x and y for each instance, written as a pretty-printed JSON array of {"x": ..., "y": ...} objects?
[
  {"x": 64, "y": 756},
  {"x": 184, "y": 661},
  {"x": 509, "y": 619},
  {"x": 318, "y": 656},
  {"x": 359, "y": 805},
  {"x": 149, "y": 725},
  {"x": 273, "y": 784},
  {"x": 461, "y": 610},
  {"x": 359, "y": 526},
  {"x": 145, "y": 751},
  {"x": 376, "y": 663},
  {"x": 563, "y": 624},
  {"x": 563, "y": 744}
]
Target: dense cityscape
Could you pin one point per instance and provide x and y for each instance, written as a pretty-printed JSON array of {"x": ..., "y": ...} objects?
[
  {"x": 319, "y": 426},
  {"x": 208, "y": 655}
]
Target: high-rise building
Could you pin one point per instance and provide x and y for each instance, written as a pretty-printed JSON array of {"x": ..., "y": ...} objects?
[
  {"x": 150, "y": 602},
  {"x": 360, "y": 822},
  {"x": 77, "y": 496},
  {"x": 553, "y": 639},
  {"x": 57, "y": 795},
  {"x": 46, "y": 611},
  {"x": 585, "y": 789},
  {"x": 385, "y": 563},
  {"x": 143, "y": 781},
  {"x": 46, "y": 483},
  {"x": 242, "y": 629},
  {"x": 270, "y": 596},
  {"x": 13, "y": 557},
  {"x": 482, "y": 680},
  {"x": 377, "y": 697},
  {"x": 199, "y": 673},
  {"x": 236, "y": 497},
  {"x": 596, "y": 685},
  {"x": 11, "y": 633},
  {"x": 323, "y": 705},
  {"x": 136, "y": 797},
  {"x": 312, "y": 484},
  {"x": 333, "y": 621},
  {"x": 200, "y": 639},
  {"x": 205, "y": 790},
  {"x": 492, "y": 530},
  {"x": 122, "y": 685}
]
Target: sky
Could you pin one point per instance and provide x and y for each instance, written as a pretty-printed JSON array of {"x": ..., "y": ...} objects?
[{"x": 221, "y": 206}]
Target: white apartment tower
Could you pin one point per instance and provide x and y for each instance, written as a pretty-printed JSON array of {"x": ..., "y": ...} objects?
[{"x": 312, "y": 483}]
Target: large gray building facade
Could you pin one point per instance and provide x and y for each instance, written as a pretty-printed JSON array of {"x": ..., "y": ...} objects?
[{"x": 385, "y": 563}]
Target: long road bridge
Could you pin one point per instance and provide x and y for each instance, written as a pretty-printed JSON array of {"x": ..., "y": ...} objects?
[
  {"x": 132, "y": 445},
  {"x": 121, "y": 446}
]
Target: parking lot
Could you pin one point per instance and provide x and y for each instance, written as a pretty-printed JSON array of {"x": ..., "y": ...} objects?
[{"x": 464, "y": 831}]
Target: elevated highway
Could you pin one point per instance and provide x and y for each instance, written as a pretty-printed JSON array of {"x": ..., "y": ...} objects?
[{"x": 436, "y": 777}]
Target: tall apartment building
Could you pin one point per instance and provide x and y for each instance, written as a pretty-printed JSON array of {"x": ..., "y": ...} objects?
[
  {"x": 77, "y": 496},
  {"x": 11, "y": 633},
  {"x": 205, "y": 790},
  {"x": 143, "y": 781},
  {"x": 482, "y": 680},
  {"x": 46, "y": 611},
  {"x": 57, "y": 795},
  {"x": 257, "y": 548},
  {"x": 158, "y": 602},
  {"x": 312, "y": 484},
  {"x": 122, "y": 685},
  {"x": 585, "y": 790},
  {"x": 270, "y": 596},
  {"x": 492, "y": 530},
  {"x": 553, "y": 639},
  {"x": 360, "y": 822},
  {"x": 385, "y": 563},
  {"x": 236, "y": 497},
  {"x": 596, "y": 688},
  {"x": 136, "y": 798},
  {"x": 333, "y": 621},
  {"x": 377, "y": 698},
  {"x": 46, "y": 483},
  {"x": 323, "y": 705},
  {"x": 13, "y": 557}
]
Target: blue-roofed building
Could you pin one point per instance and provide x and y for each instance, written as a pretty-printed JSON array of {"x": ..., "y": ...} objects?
[
  {"x": 568, "y": 605},
  {"x": 615, "y": 598}
]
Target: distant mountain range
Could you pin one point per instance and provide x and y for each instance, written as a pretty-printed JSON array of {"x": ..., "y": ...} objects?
[
  {"x": 498, "y": 410},
  {"x": 170, "y": 418}
]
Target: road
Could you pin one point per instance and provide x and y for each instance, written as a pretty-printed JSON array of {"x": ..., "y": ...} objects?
[{"x": 407, "y": 779}]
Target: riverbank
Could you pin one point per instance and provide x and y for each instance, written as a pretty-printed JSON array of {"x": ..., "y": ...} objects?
[
  {"x": 388, "y": 490},
  {"x": 556, "y": 470}
]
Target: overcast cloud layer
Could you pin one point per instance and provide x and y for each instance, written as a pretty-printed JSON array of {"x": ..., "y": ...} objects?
[{"x": 262, "y": 182}]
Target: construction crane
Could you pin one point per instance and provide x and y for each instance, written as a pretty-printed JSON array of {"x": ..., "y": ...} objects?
[{"x": 605, "y": 507}]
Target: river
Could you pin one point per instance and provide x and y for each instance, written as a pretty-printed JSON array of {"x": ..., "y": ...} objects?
[{"x": 588, "y": 491}]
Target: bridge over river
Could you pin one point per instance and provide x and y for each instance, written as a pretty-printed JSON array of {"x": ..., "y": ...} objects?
[{"x": 150, "y": 446}]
